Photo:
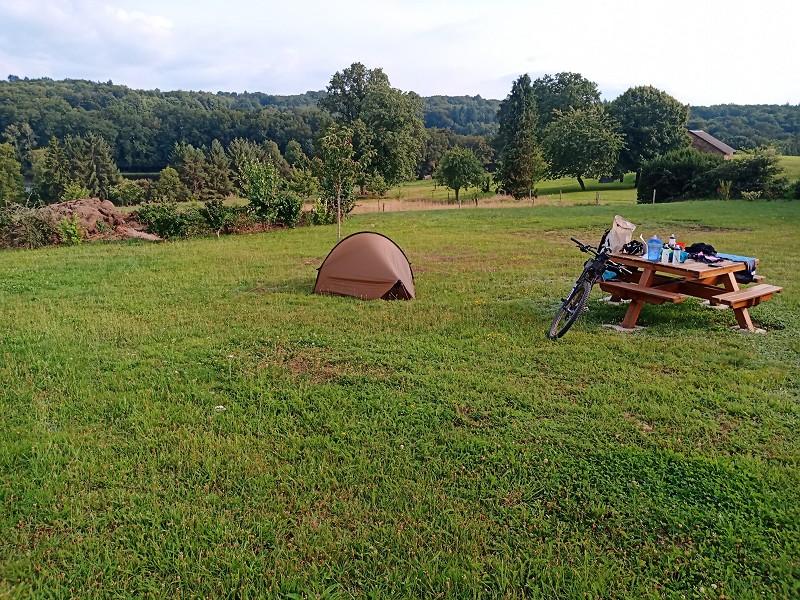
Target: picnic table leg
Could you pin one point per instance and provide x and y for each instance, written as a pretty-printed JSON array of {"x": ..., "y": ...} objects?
[
  {"x": 636, "y": 305},
  {"x": 742, "y": 314}
]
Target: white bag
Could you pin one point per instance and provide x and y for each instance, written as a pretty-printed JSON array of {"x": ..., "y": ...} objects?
[{"x": 620, "y": 234}]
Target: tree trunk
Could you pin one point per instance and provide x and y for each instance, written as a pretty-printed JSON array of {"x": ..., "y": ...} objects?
[
  {"x": 583, "y": 185},
  {"x": 636, "y": 182},
  {"x": 458, "y": 200}
]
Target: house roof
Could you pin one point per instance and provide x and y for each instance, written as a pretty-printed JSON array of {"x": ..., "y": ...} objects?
[{"x": 707, "y": 137}]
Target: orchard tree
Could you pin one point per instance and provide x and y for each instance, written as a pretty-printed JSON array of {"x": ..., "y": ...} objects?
[
  {"x": 521, "y": 162},
  {"x": 11, "y": 183},
  {"x": 582, "y": 143},
  {"x": 563, "y": 91},
  {"x": 652, "y": 123},
  {"x": 459, "y": 168},
  {"x": 338, "y": 170}
]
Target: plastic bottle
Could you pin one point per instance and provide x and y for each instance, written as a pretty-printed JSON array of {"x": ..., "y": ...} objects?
[
  {"x": 654, "y": 246},
  {"x": 672, "y": 241},
  {"x": 666, "y": 254}
]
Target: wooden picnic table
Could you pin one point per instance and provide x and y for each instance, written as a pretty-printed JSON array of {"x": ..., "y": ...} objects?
[{"x": 657, "y": 283}]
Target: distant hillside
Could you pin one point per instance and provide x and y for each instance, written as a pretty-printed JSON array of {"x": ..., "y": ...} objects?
[
  {"x": 143, "y": 125},
  {"x": 750, "y": 125}
]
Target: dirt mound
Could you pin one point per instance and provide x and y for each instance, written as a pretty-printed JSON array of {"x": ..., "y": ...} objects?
[{"x": 100, "y": 219}]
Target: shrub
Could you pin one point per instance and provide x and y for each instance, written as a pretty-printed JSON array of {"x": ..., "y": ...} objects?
[
  {"x": 261, "y": 181},
  {"x": 687, "y": 173},
  {"x": 127, "y": 193},
  {"x": 217, "y": 216},
  {"x": 376, "y": 185},
  {"x": 796, "y": 194},
  {"x": 75, "y": 191},
  {"x": 163, "y": 219},
  {"x": 288, "y": 207},
  {"x": 24, "y": 227},
  {"x": 69, "y": 231},
  {"x": 320, "y": 215}
]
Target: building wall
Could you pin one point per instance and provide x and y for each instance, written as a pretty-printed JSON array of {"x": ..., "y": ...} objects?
[{"x": 703, "y": 146}]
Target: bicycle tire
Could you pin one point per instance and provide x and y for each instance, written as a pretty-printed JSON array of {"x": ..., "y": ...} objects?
[{"x": 570, "y": 310}]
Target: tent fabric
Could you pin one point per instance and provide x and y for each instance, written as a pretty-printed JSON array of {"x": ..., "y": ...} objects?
[{"x": 366, "y": 265}]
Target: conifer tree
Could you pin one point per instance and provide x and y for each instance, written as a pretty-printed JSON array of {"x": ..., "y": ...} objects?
[
  {"x": 218, "y": 173},
  {"x": 521, "y": 162}
]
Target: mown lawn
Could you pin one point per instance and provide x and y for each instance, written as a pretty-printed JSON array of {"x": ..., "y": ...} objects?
[{"x": 436, "y": 448}]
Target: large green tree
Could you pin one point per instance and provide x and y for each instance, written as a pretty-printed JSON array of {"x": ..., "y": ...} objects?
[
  {"x": 582, "y": 143},
  {"x": 521, "y": 162},
  {"x": 652, "y": 123},
  {"x": 563, "y": 91},
  {"x": 11, "y": 184},
  {"x": 387, "y": 131},
  {"x": 459, "y": 168}
]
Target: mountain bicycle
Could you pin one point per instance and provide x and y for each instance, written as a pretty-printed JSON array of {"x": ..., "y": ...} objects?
[{"x": 575, "y": 303}]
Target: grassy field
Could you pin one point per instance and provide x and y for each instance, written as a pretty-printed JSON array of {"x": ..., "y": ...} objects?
[
  {"x": 791, "y": 166},
  {"x": 185, "y": 419},
  {"x": 570, "y": 191}
]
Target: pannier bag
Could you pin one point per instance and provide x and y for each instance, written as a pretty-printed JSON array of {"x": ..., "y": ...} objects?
[{"x": 620, "y": 234}]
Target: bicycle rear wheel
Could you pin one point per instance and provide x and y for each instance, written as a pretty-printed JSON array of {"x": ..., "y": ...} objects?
[{"x": 570, "y": 310}]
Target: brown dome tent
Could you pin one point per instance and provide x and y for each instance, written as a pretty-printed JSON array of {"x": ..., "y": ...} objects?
[{"x": 366, "y": 265}]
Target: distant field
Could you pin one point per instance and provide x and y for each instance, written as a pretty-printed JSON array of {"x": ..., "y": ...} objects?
[
  {"x": 548, "y": 192},
  {"x": 791, "y": 165}
]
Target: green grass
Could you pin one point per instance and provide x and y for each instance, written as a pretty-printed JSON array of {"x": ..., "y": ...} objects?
[
  {"x": 791, "y": 166},
  {"x": 435, "y": 448},
  {"x": 569, "y": 189}
]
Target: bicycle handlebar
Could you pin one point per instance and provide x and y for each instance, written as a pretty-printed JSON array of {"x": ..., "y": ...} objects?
[{"x": 588, "y": 249}]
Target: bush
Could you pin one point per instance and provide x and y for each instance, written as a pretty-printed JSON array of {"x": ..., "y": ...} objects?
[
  {"x": 75, "y": 191},
  {"x": 69, "y": 232},
  {"x": 217, "y": 216},
  {"x": 288, "y": 207},
  {"x": 24, "y": 227},
  {"x": 320, "y": 215},
  {"x": 163, "y": 219},
  {"x": 796, "y": 194},
  {"x": 686, "y": 174},
  {"x": 261, "y": 185},
  {"x": 127, "y": 193}
]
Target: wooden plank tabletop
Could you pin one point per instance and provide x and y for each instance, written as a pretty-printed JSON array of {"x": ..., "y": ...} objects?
[{"x": 691, "y": 269}]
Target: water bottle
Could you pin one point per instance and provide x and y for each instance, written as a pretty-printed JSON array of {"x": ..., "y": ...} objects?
[
  {"x": 672, "y": 241},
  {"x": 654, "y": 246}
]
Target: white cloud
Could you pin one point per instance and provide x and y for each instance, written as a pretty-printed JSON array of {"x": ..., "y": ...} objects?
[{"x": 702, "y": 51}]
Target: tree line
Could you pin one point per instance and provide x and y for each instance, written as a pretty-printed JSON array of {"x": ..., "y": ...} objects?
[
  {"x": 143, "y": 125},
  {"x": 553, "y": 126}
]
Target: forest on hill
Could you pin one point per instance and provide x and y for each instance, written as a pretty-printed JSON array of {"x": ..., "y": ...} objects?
[{"x": 142, "y": 126}]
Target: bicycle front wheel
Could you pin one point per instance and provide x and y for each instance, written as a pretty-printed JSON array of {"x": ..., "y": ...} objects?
[{"x": 570, "y": 310}]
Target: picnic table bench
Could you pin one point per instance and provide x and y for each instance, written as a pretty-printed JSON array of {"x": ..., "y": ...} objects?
[{"x": 659, "y": 283}]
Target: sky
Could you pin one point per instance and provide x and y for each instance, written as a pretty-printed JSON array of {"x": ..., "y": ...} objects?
[{"x": 700, "y": 51}]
